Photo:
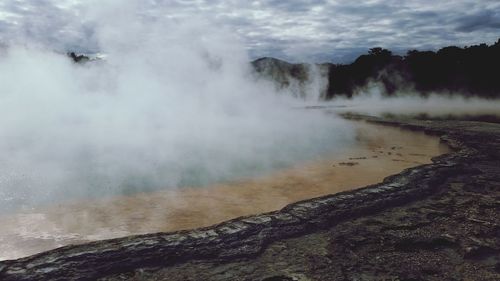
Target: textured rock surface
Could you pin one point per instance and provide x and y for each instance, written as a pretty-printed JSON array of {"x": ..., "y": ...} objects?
[{"x": 433, "y": 222}]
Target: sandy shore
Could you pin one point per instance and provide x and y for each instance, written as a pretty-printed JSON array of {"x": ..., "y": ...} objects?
[{"x": 380, "y": 151}]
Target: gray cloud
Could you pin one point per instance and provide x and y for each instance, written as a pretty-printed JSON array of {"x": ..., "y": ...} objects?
[
  {"x": 480, "y": 21},
  {"x": 296, "y": 30}
]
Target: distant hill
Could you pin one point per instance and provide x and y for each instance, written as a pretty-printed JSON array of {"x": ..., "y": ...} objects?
[
  {"x": 299, "y": 78},
  {"x": 281, "y": 71},
  {"x": 473, "y": 70}
]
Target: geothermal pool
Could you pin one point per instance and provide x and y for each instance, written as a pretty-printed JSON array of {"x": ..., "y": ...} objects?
[{"x": 373, "y": 153}]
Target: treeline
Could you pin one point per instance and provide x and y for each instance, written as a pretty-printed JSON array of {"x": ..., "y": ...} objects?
[
  {"x": 473, "y": 70},
  {"x": 78, "y": 58}
]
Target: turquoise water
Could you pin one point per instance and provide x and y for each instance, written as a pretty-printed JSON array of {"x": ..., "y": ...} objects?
[{"x": 90, "y": 171}]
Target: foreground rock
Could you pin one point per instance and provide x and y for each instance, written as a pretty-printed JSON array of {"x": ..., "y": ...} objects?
[{"x": 433, "y": 222}]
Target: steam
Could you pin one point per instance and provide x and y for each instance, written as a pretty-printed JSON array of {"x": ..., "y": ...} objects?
[
  {"x": 314, "y": 88},
  {"x": 372, "y": 101},
  {"x": 174, "y": 104}
]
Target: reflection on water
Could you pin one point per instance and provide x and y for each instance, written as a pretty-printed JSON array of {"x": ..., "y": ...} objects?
[{"x": 378, "y": 152}]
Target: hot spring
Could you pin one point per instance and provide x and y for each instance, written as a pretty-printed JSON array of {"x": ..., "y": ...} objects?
[
  {"x": 171, "y": 131},
  {"x": 112, "y": 128}
]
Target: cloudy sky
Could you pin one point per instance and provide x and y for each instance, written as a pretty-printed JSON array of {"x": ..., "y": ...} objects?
[{"x": 312, "y": 30}]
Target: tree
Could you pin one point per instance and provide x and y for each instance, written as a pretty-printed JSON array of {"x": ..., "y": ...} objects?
[{"x": 378, "y": 51}]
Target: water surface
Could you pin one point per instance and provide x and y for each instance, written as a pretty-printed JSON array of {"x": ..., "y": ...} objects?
[{"x": 376, "y": 152}]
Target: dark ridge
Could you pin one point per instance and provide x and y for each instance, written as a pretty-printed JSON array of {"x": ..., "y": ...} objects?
[
  {"x": 294, "y": 76},
  {"x": 469, "y": 71},
  {"x": 280, "y": 71},
  {"x": 78, "y": 58}
]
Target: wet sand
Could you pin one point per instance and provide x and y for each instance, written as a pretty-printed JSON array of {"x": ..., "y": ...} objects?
[{"x": 379, "y": 152}]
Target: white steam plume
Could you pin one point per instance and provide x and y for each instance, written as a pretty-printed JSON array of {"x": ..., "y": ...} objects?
[
  {"x": 173, "y": 104},
  {"x": 410, "y": 103}
]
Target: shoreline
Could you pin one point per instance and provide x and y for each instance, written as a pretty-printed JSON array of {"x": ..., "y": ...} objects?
[
  {"x": 437, "y": 190},
  {"x": 376, "y": 152}
]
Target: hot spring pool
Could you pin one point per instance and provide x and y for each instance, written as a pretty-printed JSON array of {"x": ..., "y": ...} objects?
[{"x": 370, "y": 153}]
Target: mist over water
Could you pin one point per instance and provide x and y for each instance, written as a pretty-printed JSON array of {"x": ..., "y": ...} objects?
[
  {"x": 172, "y": 105},
  {"x": 372, "y": 101}
]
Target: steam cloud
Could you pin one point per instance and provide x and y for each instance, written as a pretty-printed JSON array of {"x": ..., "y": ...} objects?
[
  {"x": 173, "y": 104},
  {"x": 372, "y": 101}
]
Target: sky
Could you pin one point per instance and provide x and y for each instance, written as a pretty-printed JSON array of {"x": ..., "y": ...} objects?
[{"x": 297, "y": 30}]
